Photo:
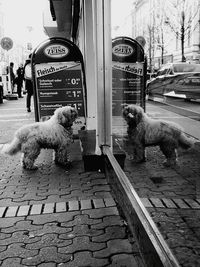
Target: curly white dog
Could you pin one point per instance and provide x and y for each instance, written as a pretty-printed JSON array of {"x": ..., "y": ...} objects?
[
  {"x": 55, "y": 133},
  {"x": 144, "y": 131}
]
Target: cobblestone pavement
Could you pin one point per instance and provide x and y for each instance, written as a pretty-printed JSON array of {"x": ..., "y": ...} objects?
[
  {"x": 172, "y": 197},
  {"x": 54, "y": 217}
]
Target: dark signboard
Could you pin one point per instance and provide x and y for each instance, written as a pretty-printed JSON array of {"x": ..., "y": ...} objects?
[
  {"x": 58, "y": 73},
  {"x": 128, "y": 74}
]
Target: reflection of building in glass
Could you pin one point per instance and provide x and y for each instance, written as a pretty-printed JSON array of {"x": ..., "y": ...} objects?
[{"x": 165, "y": 25}]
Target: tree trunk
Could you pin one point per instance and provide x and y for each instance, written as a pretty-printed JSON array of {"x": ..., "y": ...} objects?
[{"x": 182, "y": 36}]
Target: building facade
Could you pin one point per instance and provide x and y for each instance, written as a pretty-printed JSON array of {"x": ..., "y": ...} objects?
[{"x": 171, "y": 29}]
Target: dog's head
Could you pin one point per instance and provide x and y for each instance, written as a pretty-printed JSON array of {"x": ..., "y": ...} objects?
[
  {"x": 66, "y": 116},
  {"x": 133, "y": 114}
]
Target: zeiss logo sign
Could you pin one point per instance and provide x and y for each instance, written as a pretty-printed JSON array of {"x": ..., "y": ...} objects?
[
  {"x": 56, "y": 51},
  {"x": 122, "y": 50}
]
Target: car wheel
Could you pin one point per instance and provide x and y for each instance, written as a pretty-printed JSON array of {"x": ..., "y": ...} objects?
[{"x": 187, "y": 99}]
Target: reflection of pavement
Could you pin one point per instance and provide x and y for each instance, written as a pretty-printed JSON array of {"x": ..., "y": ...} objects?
[
  {"x": 171, "y": 195},
  {"x": 54, "y": 217}
]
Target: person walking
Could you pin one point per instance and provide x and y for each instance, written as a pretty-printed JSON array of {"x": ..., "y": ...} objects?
[
  {"x": 28, "y": 83},
  {"x": 19, "y": 80},
  {"x": 12, "y": 76}
]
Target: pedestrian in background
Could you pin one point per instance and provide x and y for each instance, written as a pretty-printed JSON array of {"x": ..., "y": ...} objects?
[
  {"x": 12, "y": 76},
  {"x": 28, "y": 83},
  {"x": 19, "y": 80}
]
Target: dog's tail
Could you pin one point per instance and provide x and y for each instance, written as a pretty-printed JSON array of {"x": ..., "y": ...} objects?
[
  {"x": 12, "y": 148},
  {"x": 186, "y": 142}
]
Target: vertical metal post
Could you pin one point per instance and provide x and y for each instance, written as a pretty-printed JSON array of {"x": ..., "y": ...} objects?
[
  {"x": 104, "y": 71},
  {"x": 90, "y": 65}
]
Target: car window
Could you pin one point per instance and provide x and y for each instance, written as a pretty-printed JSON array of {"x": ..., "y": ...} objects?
[
  {"x": 187, "y": 68},
  {"x": 162, "y": 72}
]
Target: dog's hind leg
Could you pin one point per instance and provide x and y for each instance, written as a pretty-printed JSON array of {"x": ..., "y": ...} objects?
[
  {"x": 170, "y": 153},
  {"x": 30, "y": 153}
]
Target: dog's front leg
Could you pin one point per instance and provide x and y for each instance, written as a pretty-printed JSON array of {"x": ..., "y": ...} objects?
[
  {"x": 139, "y": 154},
  {"x": 139, "y": 150},
  {"x": 62, "y": 156}
]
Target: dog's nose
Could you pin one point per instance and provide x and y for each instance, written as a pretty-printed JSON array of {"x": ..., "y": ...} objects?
[{"x": 130, "y": 115}]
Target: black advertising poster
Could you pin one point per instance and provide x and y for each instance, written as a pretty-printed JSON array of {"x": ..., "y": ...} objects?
[
  {"x": 59, "y": 84},
  {"x": 128, "y": 83},
  {"x": 58, "y": 79}
]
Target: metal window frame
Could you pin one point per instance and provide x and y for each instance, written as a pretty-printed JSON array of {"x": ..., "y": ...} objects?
[{"x": 102, "y": 11}]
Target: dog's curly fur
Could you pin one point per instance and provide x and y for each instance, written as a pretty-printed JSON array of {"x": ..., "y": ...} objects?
[
  {"x": 144, "y": 131},
  {"x": 55, "y": 133}
]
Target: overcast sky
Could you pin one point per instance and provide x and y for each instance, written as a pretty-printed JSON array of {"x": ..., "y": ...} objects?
[{"x": 23, "y": 20}]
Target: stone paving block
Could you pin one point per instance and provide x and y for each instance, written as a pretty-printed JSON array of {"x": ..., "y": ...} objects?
[
  {"x": 125, "y": 260},
  {"x": 114, "y": 247},
  {"x": 109, "y": 202},
  {"x": 85, "y": 258},
  {"x": 61, "y": 207},
  {"x": 47, "y": 254},
  {"x": 18, "y": 225},
  {"x": 23, "y": 210},
  {"x": 86, "y": 204},
  {"x": 112, "y": 232},
  {"x": 169, "y": 203},
  {"x": 98, "y": 203},
  {"x": 81, "y": 219},
  {"x": 146, "y": 202},
  {"x": 4, "y": 236},
  {"x": 36, "y": 209},
  {"x": 192, "y": 203},
  {"x": 112, "y": 220},
  {"x": 19, "y": 237},
  {"x": 47, "y": 240},
  {"x": 99, "y": 213},
  {"x": 2, "y": 210},
  {"x": 11, "y": 211},
  {"x": 48, "y": 208},
  {"x": 81, "y": 230},
  {"x": 17, "y": 250},
  {"x": 11, "y": 262},
  {"x": 180, "y": 203},
  {"x": 157, "y": 202},
  {"x": 49, "y": 264},
  {"x": 73, "y": 205},
  {"x": 51, "y": 227},
  {"x": 82, "y": 243},
  {"x": 6, "y": 202},
  {"x": 48, "y": 218}
]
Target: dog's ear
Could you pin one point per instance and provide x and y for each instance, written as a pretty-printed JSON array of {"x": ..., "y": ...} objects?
[
  {"x": 125, "y": 110},
  {"x": 59, "y": 115},
  {"x": 139, "y": 115},
  {"x": 74, "y": 113}
]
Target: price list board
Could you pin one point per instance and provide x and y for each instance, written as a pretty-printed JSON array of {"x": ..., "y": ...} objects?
[
  {"x": 58, "y": 79},
  {"x": 127, "y": 81},
  {"x": 128, "y": 74},
  {"x": 59, "y": 84}
]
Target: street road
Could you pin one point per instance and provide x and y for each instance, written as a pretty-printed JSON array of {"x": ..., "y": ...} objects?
[{"x": 186, "y": 114}]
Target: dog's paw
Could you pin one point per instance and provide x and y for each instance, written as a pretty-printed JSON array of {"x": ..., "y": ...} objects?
[
  {"x": 170, "y": 163},
  {"x": 33, "y": 168},
  {"x": 66, "y": 164},
  {"x": 30, "y": 168}
]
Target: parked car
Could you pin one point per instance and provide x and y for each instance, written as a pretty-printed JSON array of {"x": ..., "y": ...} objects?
[{"x": 180, "y": 80}]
